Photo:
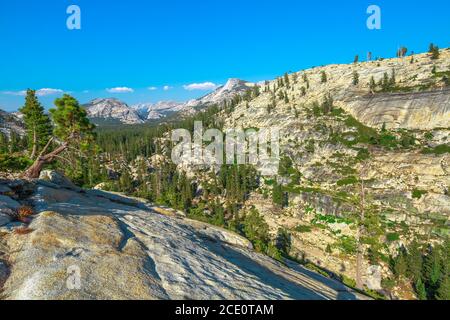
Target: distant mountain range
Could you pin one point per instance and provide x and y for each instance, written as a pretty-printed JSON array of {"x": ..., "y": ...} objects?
[
  {"x": 162, "y": 109},
  {"x": 113, "y": 111}
]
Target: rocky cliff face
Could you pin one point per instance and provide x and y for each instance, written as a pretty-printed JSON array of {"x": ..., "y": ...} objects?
[
  {"x": 112, "y": 110},
  {"x": 232, "y": 88},
  {"x": 414, "y": 110},
  {"x": 124, "y": 248},
  {"x": 406, "y": 186},
  {"x": 162, "y": 109}
]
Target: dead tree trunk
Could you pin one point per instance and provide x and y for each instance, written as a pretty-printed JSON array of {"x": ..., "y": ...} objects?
[{"x": 34, "y": 171}]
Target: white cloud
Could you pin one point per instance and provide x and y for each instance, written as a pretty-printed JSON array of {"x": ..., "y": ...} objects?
[
  {"x": 152, "y": 88},
  {"x": 120, "y": 90},
  {"x": 48, "y": 92},
  {"x": 200, "y": 86},
  {"x": 14, "y": 93},
  {"x": 167, "y": 88},
  {"x": 40, "y": 93}
]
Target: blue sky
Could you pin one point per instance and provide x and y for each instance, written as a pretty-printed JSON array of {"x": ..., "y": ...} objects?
[{"x": 142, "y": 44}]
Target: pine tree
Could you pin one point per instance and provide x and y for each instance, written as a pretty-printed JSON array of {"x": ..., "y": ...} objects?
[
  {"x": 278, "y": 196},
  {"x": 286, "y": 79},
  {"x": 283, "y": 241},
  {"x": 37, "y": 123},
  {"x": 324, "y": 77},
  {"x": 414, "y": 261},
  {"x": 443, "y": 292},
  {"x": 256, "y": 91},
  {"x": 392, "y": 80},
  {"x": 355, "y": 78},
  {"x": 295, "y": 77},
  {"x": 434, "y": 51},
  {"x": 400, "y": 266},
  {"x": 125, "y": 181},
  {"x": 303, "y": 91},
  {"x": 402, "y": 52},
  {"x": 72, "y": 129},
  {"x": 432, "y": 271},
  {"x": 385, "y": 84},
  {"x": 4, "y": 143},
  {"x": 327, "y": 105},
  {"x": 256, "y": 230},
  {"x": 372, "y": 85},
  {"x": 419, "y": 287}
]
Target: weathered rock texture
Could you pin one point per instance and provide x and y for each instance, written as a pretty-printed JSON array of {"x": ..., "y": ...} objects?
[
  {"x": 124, "y": 249},
  {"x": 415, "y": 110}
]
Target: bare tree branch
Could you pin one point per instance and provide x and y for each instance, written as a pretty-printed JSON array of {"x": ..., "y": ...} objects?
[{"x": 46, "y": 147}]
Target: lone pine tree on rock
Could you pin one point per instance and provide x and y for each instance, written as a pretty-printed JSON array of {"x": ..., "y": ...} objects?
[
  {"x": 38, "y": 124},
  {"x": 72, "y": 129}
]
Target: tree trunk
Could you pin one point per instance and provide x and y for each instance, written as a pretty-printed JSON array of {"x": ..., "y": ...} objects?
[
  {"x": 33, "y": 153},
  {"x": 34, "y": 171}
]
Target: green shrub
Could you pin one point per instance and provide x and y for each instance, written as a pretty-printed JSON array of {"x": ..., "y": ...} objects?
[
  {"x": 428, "y": 136},
  {"x": 363, "y": 154},
  {"x": 285, "y": 166},
  {"x": 347, "y": 245},
  {"x": 407, "y": 140},
  {"x": 365, "y": 134},
  {"x": 391, "y": 237},
  {"x": 330, "y": 219},
  {"x": 14, "y": 163},
  {"x": 388, "y": 283},
  {"x": 273, "y": 252},
  {"x": 438, "y": 150},
  {"x": 386, "y": 140},
  {"x": 417, "y": 194},
  {"x": 348, "y": 281},
  {"x": 303, "y": 229},
  {"x": 347, "y": 181},
  {"x": 317, "y": 269}
]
